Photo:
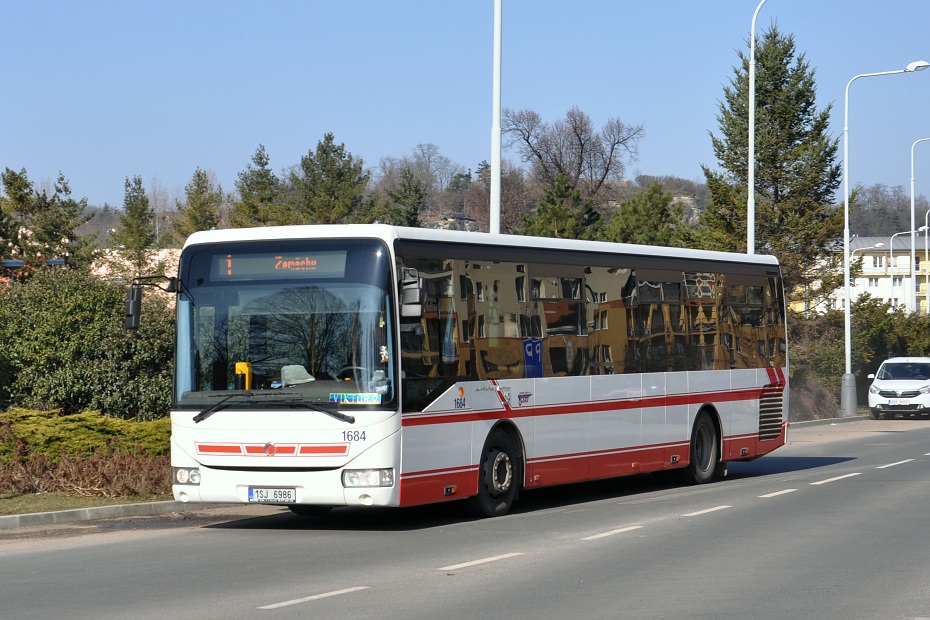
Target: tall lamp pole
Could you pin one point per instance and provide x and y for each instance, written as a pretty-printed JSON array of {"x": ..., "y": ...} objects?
[
  {"x": 751, "y": 181},
  {"x": 913, "y": 307},
  {"x": 494, "y": 224},
  {"x": 848, "y": 404},
  {"x": 891, "y": 265}
]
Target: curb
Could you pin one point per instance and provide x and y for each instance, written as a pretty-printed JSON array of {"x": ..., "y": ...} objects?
[
  {"x": 145, "y": 509},
  {"x": 854, "y": 418}
]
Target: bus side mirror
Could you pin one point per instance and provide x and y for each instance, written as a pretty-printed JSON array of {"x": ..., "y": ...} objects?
[
  {"x": 133, "y": 306},
  {"x": 411, "y": 304}
]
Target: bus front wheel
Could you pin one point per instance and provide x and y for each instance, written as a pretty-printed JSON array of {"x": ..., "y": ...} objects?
[
  {"x": 704, "y": 451},
  {"x": 500, "y": 473}
]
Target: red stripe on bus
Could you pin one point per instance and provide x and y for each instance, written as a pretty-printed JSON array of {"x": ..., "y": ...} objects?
[
  {"x": 448, "y": 417},
  {"x": 218, "y": 448},
  {"x": 324, "y": 449}
]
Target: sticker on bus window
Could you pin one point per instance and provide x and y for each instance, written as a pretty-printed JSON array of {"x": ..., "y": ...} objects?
[{"x": 364, "y": 398}]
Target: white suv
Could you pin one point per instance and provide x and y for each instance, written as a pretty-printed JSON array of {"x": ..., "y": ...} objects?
[{"x": 901, "y": 385}]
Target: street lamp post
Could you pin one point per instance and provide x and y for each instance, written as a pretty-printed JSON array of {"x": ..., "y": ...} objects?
[
  {"x": 927, "y": 259},
  {"x": 751, "y": 179},
  {"x": 913, "y": 307},
  {"x": 891, "y": 264},
  {"x": 871, "y": 247},
  {"x": 848, "y": 404}
]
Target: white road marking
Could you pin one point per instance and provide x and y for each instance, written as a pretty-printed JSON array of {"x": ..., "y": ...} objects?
[
  {"x": 777, "y": 493},
  {"x": 476, "y": 562},
  {"x": 704, "y": 512},
  {"x": 835, "y": 479},
  {"x": 612, "y": 532},
  {"x": 893, "y": 464},
  {"x": 315, "y": 597}
]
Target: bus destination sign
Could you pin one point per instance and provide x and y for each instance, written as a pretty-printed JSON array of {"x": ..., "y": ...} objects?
[{"x": 276, "y": 265}]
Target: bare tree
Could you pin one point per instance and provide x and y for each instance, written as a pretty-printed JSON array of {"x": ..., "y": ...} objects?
[{"x": 571, "y": 147}]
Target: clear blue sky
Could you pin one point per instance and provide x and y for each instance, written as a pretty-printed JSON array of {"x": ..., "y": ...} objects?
[{"x": 102, "y": 90}]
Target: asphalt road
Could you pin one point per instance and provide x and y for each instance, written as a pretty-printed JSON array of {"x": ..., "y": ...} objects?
[{"x": 832, "y": 525}]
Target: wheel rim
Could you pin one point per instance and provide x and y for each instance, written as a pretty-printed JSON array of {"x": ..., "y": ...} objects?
[
  {"x": 499, "y": 473},
  {"x": 702, "y": 448}
]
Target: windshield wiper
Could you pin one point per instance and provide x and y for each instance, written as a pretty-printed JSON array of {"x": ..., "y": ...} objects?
[
  {"x": 221, "y": 404},
  {"x": 299, "y": 402}
]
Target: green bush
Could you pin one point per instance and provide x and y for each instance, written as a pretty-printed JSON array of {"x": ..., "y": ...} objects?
[
  {"x": 65, "y": 348},
  {"x": 49, "y": 434},
  {"x": 82, "y": 454}
]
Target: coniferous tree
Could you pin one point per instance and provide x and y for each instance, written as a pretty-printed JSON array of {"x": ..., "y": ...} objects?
[
  {"x": 796, "y": 172},
  {"x": 135, "y": 233},
  {"x": 652, "y": 218},
  {"x": 36, "y": 227},
  {"x": 201, "y": 207},
  {"x": 328, "y": 187},
  {"x": 408, "y": 198},
  {"x": 563, "y": 213},
  {"x": 260, "y": 200}
]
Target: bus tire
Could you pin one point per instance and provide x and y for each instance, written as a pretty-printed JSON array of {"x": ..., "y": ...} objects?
[
  {"x": 499, "y": 474},
  {"x": 704, "y": 451}
]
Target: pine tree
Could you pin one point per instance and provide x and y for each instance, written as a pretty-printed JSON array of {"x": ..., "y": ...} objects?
[
  {"x": 36, "y": 227},
  {"x": 201, "y": 207},
  {"x": 328, "y": 187},
  {"x": 652, "y": 218},
  {"x": 409, "y": 199},
  {"x": 796, "y": 171},
  {"x": 135, "y": 233},
  {"x": 563, "y": 213},
  {"x": 260, "y": 201}
]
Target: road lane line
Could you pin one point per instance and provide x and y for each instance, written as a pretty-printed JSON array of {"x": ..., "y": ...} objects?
[
  {"x": 482, "y": 561},
  {"x": 612, "y": 532},
  {"x": 704, "y": 512},
  {"x": 893, "y": 464},
  {"x": 315, "y": 597},
  {"x": 777, "y": 493},
  {"x": 835, "y": 479}
]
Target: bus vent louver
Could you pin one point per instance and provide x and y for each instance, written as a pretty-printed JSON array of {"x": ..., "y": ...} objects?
[{"x": 771, "y": 409}]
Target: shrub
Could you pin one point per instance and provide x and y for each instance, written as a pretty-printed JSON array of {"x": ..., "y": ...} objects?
[
  {"x": 65, "y": 348},
  {"x": 83, "y": 454}
]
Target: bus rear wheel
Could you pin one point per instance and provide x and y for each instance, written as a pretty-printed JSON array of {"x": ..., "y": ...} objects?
[
  {"x": 704, "y": 451},
  {"x": 499, "y": 475}
]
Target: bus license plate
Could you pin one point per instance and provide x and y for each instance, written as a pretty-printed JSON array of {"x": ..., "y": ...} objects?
[{"x": 272, "y": 496}]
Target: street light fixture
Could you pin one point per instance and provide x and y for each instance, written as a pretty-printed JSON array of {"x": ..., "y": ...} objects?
[
  {"x": 891, "y": 264},
  {"x": 751, "y": 179},
  {"x": 848, "y": 404},
  {"x": 871, "y": 247}
]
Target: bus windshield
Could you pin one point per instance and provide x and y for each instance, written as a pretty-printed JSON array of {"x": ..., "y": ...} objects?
[{"x": 285, "y": 324}]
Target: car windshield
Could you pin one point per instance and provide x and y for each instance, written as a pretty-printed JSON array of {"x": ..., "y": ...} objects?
[
  {"x": 257, "y": 339},
  {"x": 904, "y": 371}
]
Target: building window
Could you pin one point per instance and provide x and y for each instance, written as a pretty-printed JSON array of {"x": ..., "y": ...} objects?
[{"x": 873, "y": 282}]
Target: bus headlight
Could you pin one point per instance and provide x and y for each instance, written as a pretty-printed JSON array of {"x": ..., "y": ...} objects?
[
  {"x": 352, "y": 478},
  {"x": 185, "y": 475}
]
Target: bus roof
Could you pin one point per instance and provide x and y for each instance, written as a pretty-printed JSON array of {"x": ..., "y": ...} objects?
[{"x": 392, "y": 233}]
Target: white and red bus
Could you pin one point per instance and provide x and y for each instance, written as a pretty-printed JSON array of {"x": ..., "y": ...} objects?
[{"x": 370, "y": 365}]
